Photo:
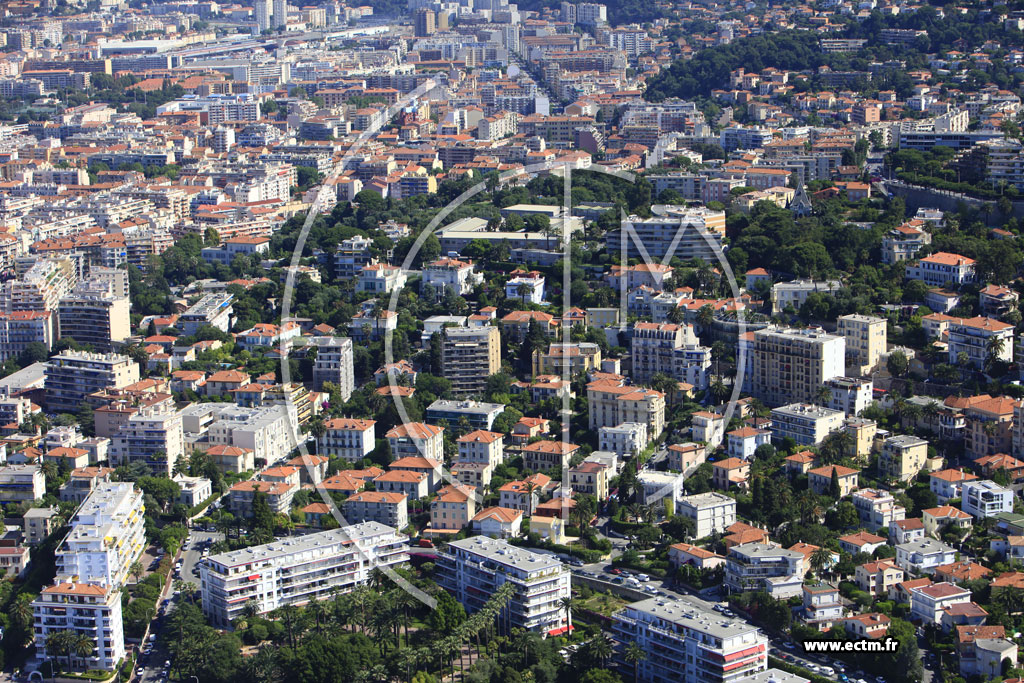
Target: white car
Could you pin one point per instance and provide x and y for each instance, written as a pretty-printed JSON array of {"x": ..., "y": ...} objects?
[
  {"x": 642, "y": 577},
  {"x": 828, "y": 671}
]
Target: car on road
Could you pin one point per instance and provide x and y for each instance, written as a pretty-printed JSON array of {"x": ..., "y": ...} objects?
[
  {"x": 614, "y": 570},
  {"x": 828, "y": 671},
  {"x": 643, "y": 577},
  {"x": 140, "y": 672}
]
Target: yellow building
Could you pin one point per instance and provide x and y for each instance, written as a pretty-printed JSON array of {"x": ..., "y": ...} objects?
[
  {"x": 582, "y": 356},
  {"x": 902, "y": 457}
]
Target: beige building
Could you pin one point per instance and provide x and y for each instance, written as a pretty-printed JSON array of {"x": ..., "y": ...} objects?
[
  {"x": 453, "y": 509},
  {"x": 416, "y": 439},
  {"x": 611, "y": 403},
  {"x": 877, "y": 578},
  {"x": 386, "y": 507},
  {"x": 590, "y": 478},
  {"x": 866, "y": 339},
  {"x": 820, "y": 479},
  {"x": 862, "y": 433},
  {"x": 902, "y": 457},
  {"x": 540, "y": 456},
  {"x": 988, "y": 427},
  {"x": 73, "y": 375},
  {"x": 789, "y": 365},
  {"x": 575, "y": 357},
  {"x": 38, "y": 523}
]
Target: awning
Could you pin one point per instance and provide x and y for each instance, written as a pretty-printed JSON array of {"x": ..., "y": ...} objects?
[{"x": 560, "y": 630}]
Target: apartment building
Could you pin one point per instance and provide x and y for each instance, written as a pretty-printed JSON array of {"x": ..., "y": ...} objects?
[
  {"x": 73, "y": 375},
  {"x": 711, "y": 512},
  {"x": 877, "y": 578},
  {"x": 988, "y": 425},
  {"x": 156, "y": 440},
  {"x": 541, "y": 456},
  {"x": 481, "y": 446},
  {"x": 347, "y": 438},
  {"x": 877, "y": 509},
  {"x": 469, "y": 355},
  {"x": 903, "y": 242},
  {"x": 654, "y": 347},
  {"x": 902, "y": 457},
  {"x": 789, "y": 365},
  {"x": 708, "y": 428},
  {"x": 21, "y": 483},
  {"x": 388, "y": 508},
  {"x": 685, "y": 232},
  {"x": 414, "y": 485},
  {"x": 567, "y": 358},
  {"x": 687, "y": 642},
  {"x": 850, "y": 395},
  {"x": 295, "y": 570},
  {"x": 18, "y": 329},
  {"x": 947, "y": 484},
  {"x": 942, "y": 268},
  {"x": 473, "y": 569},
  {"x": 806, "y": 424},
  {"x": 480, "y": 415},
  {"x": 107, "y": 535},
  {"x": 416, "y": 439},
  {"x": 351, "y": 255},
  {"x": 927, "y": 603},
  {"x": 212, "y": 309},
  {"x": 820, "y": 479},
  {"x": 89, "y": 609},
  {"x": 591, "y": 478},
  {"x": 985, "y": 498},
  {"x": 93, "y": 313},
  {"x": 445, "y": 273},
  {"x": 923, "y": 556},
  {"x": 760, "y": 566},
  {"x": 334, "y": 364},
  {"x": 38, "y": 523},
  {"x": 982, "y": 339},
  {"x": 453, "y": 509},
  {"x": 380, "y": 278},
  {"x": 627, "y": 439},
  {"x": 611, "y": 402},
  {"x": 793, "y": 294},
  {"x": 278, "y": 495}
]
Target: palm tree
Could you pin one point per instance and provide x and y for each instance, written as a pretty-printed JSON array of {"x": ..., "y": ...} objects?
[
  {"x": 567, "y": 604},
  {"x": 600, "y": 648},
  {"x": 635, "y": 654},
  {"x": 58, "y": 643},
  {"x": 82, "y": 646},
  {"x": 49, "y": 469},
  {"x": 250, "y": 609},
  {"x": 705, "y": 317},
  {"x": 136, "y": 569},
  {"x": 21, "y": 610},
  {"x": 291, "y": 618},
  {"x": 820, "y": 558},
  {"x": 993, "y": 349},
  {"x": 823, "y": 395}
]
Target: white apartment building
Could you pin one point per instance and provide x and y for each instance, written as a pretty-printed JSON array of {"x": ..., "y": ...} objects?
[
  {"x": 266, "y": 431},
  {"x": 850, "y": 395},
  {"x": 941, "y": 268},
  {"x": 156, "y": 440},
  {"x": 946, "y": 484},
  {"x": 687, "y": 642},
  {"x": 416, "y": 439},
  {"x": 347, "y": 438},
  {"x": 380, "y": 278},
  {"x": 295, "y": 570},
  {"x": 528, "y": 289},
  {"x": 711, "y": 512},
  {"x": 626, "y": 439},
  {"x": 107, "y": 534},
  {"x": 923, "y": 556},
  {"x": 984, "y": 498},
  {"x": 18, "y": 329},
  {"x": 691, "y": 363},
  {"x": 708, "y": 428},
  {"x": 806, "y": 424},
  {"x": 789, "y": 365},
  {"x": 759, "y": 566},
  {"x": 612, "y": 403},
  {"x": 928, "y": 602},
  {"x": 334, "y": 364},
  {"x": 793, "y": 294},
  {"x": 89, "y": 609},
  {"x": 21, "y": 483},
  {"x": 472, "y": 569},
  {"x": 653, "y": 486},
  {"x": 689, "y": 233},
  {"x": 460, "y": 276},
  {"x": 212, "y": 309},
  {"x": 386, "y": 507},
  {"x": 73, "y": 375},
  {"x": 481, "y": 446},
  {"x": 877, "y": 509},
  {"x": 974, "y": 336}
]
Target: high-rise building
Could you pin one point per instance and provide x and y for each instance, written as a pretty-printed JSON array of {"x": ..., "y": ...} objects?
[
  {"x": 296, "y": 570},
  {"x": 472, "y": 569},
  {"x": 789, "y": 365},
  {"x": 73, "y": 375},
  {"x": 686, "y": 642},
  {"x": 424, "y": 22},
  {"x": 155, "y": 440},
  {"x": 107, "y": 535},
  {"x": 89, "y": 609},
  {"x": 280, "y": 13},
  {"x": 469, "y": 355},
  {"x": 18, "y": 329},
  {"x": 866, "y": 338},
  {"x": 95, "y": 314},
  {"x": 262, "y": 11},
  {"x": 334, "y": 363}
]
